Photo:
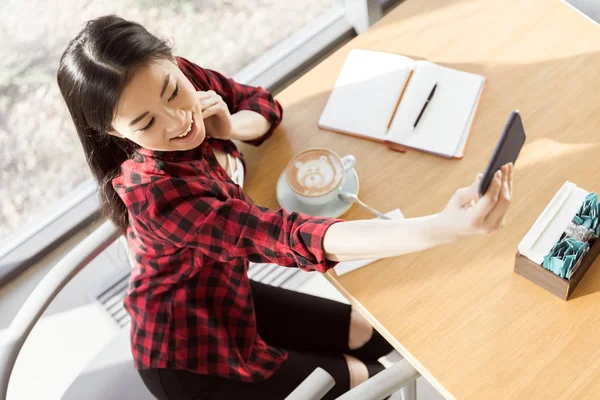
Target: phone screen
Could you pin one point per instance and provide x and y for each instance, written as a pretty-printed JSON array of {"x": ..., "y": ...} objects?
[{"x": 507, "y": 149}]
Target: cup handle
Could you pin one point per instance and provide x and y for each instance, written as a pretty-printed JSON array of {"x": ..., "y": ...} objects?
[{"x": 348, "y": 162}]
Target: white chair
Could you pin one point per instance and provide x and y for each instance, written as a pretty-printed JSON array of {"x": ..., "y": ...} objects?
[{"x": 111, "y": 375}]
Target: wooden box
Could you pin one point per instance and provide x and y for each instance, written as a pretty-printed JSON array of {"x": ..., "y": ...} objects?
[{"x": 552, "y": 282}]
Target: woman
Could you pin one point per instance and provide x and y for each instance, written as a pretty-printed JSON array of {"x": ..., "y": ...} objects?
[{"x": 157, "y": 131}]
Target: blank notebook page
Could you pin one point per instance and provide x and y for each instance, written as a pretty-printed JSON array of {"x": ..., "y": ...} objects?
[
  {"x": 448, "y": 116},
  {"x": 366, "y": 93}
]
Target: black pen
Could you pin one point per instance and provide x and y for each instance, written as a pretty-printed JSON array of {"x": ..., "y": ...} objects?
[{"x": 425, "y": 105}]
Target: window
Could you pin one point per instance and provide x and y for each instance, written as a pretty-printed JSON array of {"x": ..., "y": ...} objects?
[{"x": 41, "y": 161}]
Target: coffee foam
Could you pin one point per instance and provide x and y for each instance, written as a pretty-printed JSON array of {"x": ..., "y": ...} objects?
[{"x": 315, "y": 172}]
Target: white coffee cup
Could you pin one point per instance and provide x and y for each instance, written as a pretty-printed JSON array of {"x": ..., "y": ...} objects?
[{"x": 316, "y": 175}]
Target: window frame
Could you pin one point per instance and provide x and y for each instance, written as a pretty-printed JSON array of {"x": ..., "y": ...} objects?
[{"x": 272, "y": 71}]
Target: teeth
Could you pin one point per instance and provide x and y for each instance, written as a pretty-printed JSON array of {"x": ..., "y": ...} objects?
[{"x": 186, "y": 132}]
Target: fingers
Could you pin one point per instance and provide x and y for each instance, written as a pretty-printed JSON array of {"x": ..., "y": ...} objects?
[
  {"x": 475, "y": 192},
  {"x": 477, "y": 181},
  {"x": 463, "y": 196},
  {"x": 213, "y": 110},
  {"x": 495, "y": 218},
  {"x": 476, "y": 184},
  {"x": 205, "y": 95},
  {"x": 510, "y": 178},
  {"x": 208, "y": 98},
  {"x": 467, "y": 196},
  {"x": 487, "y": 203},
  {"x": 211, "y": 101}
]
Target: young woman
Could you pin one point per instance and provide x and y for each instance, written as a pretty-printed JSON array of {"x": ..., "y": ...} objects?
[{"x": 157, "y": 131}]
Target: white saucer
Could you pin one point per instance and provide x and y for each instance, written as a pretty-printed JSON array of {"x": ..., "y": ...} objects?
[{"x": 287, "y": 199}]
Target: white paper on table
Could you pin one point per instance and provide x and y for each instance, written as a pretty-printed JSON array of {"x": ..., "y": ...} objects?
[{"x": 349, "y": 266}]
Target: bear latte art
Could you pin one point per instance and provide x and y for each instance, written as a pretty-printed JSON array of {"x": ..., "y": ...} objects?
[{"x": 315, "y": 172}]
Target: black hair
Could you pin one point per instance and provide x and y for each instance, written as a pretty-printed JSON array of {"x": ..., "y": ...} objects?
[{"x": 92, "y": 74}]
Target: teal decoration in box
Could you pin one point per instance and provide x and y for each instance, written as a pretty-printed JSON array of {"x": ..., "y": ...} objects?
[
  {"x": 563, "y": 256},
  {"x": 589, "y": 213}
]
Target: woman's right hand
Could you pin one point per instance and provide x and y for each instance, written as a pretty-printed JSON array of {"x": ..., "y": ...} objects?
[{"x": 468, "y": 214}]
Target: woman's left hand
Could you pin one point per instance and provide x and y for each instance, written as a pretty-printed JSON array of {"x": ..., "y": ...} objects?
[{"x": 215, "y": 114}]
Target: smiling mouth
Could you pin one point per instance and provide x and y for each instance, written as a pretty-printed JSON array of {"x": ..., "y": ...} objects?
[{"x": 187, "y": 132}]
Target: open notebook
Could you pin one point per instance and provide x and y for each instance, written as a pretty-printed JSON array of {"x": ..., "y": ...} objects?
[{"x": 379, "y": 95}]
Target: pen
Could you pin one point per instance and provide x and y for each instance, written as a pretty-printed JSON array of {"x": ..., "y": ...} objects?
[{"x": 425, "y": 105}]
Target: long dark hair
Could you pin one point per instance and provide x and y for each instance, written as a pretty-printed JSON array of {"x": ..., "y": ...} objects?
[{"x": 93, "y": 72}]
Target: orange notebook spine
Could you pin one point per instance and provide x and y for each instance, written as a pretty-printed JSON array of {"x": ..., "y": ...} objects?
[
  {"x": 391, "y": 145},
  {"x": 395, "y": 146},
  {"x": 356, "y": 135}
]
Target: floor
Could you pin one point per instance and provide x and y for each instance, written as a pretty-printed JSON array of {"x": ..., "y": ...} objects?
[{"x": 76, "y": 326}]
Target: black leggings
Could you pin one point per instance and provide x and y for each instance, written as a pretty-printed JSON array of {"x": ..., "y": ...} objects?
[{"x": 312, "y": 329}]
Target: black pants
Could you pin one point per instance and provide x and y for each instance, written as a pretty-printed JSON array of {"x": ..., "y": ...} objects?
[{"x": 312, "y": 329}]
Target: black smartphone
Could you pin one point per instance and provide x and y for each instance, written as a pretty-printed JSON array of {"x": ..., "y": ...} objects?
[{"x": 507, "y": 149}]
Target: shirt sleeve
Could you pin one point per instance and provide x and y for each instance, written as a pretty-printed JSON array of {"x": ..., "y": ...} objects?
[
  {"x": 224, "y": 228},
  {"x": 237, "y": 96}
]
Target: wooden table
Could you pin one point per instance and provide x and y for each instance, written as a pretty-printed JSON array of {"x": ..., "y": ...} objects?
[{"x": 459, "y": 313}]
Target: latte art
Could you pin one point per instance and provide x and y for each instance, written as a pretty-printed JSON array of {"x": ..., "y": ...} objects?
[{"x": 315, "y": 172}]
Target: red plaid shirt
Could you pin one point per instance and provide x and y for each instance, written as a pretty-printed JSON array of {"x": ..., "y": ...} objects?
[{"x": 192, "y": 232}]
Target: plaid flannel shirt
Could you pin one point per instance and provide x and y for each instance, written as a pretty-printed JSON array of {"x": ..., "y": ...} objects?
[{"x": 193, "y": 232}]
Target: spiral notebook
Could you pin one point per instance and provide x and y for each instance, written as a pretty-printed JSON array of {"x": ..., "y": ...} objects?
[{"x": 378, "y": 96}]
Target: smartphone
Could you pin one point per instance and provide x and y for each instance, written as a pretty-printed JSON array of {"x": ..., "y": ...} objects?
[{"x": 507, "y": 149}]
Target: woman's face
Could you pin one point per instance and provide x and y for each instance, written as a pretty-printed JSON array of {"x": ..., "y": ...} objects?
[{"x": 159, "y": 109}]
